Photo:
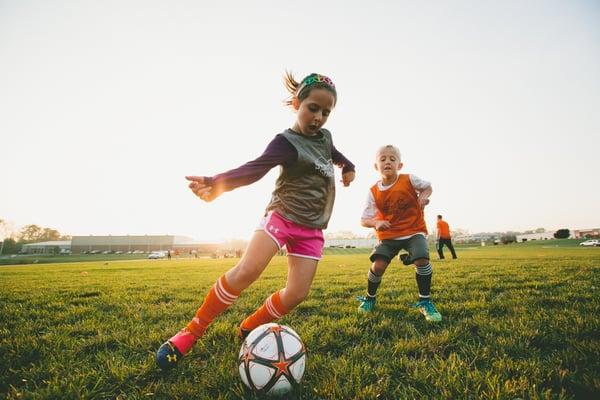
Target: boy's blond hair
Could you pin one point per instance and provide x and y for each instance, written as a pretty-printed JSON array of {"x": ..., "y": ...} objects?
[{"x": 388, "y": 147}]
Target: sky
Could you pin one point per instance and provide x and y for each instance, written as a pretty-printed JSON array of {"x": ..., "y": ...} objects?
[{"x": 106, "y": 106}]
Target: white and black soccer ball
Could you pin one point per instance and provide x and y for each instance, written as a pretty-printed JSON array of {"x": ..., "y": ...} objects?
[{"x": 272, "y": 359}]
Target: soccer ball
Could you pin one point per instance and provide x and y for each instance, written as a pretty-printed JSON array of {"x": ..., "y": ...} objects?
[{"x": 272, "y": 359}]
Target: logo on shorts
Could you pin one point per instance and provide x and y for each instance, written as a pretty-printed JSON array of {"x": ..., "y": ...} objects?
[{"x": 324, "y": 167}]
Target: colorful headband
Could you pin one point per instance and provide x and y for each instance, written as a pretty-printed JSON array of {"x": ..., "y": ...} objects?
[{"x": 312, "y": 79}]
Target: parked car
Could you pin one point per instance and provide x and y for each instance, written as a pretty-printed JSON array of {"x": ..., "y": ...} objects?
[
  {"x": 156, "y": 255},
  {"x": 590, "y": 242}
]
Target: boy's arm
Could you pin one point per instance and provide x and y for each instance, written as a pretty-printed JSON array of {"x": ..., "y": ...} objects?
[
  {"x": 368, "y": 218},
  {"x": 424, "y": 196},
  {"x": 423, "y": 189}
]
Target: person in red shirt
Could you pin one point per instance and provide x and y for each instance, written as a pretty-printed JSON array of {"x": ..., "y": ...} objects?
[{"x": 444, "y": 238}]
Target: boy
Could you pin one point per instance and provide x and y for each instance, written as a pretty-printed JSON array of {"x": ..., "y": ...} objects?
[{"x": 395, "y": 209}]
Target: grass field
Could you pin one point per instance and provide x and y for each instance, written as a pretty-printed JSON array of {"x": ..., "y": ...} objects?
[{"x": 520, "y": 321}]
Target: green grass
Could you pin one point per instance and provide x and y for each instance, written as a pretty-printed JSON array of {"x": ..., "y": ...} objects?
[{"x": 519, "y": 322}]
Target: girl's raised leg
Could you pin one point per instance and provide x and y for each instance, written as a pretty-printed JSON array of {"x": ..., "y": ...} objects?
[{"x": 220, "y": 296}]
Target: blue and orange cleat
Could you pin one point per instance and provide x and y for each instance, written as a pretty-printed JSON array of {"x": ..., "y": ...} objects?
[
  {"x": 167, "y": 356},
  {"x": 172, "y": 351}
]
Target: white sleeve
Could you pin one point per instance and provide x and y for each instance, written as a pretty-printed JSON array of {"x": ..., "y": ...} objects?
[
  {"x": 418, "y": 183},
  {"x": 370, "y": 208}
]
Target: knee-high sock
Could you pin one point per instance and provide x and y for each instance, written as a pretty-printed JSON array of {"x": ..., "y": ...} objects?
[
  {"x": 423, "y": 276},
  {"x": 219, "y": 297},
  {"x": 271, "y": 310},
  {"x": 373, "y": 282}
]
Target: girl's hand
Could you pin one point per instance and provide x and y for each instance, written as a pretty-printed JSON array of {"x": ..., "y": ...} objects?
[
  {"x": 347, "y": 177},
  {"x": 200, "y": 188},
  {"x": 382, "y": 225}
]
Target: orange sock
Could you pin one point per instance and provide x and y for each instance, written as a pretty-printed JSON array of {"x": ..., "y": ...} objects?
[
  {"x": 219, "y": 297},
  {"x": 271, "y": 310}
]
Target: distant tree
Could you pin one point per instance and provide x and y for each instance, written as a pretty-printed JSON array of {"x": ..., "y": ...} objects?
[
  {"x": 50, "y": 234},
  {"x": 540, "y": 230},
  {"x": 6, "y": 229},
  {"x": 9, "y": 246},
  {"x": 30, "y": 233},
  {"x": 506, "y": 239},
  {"x": 562, "y": 234},
  {"x": 33, "y": 233}
]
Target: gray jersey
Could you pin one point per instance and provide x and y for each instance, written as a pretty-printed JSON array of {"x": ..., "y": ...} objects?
[{"x": 305, "y": 191}]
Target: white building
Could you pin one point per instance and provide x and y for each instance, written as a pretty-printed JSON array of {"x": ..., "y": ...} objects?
[
  {"x": 52, "y": 247},
  {"x": 535, "y": 236}
]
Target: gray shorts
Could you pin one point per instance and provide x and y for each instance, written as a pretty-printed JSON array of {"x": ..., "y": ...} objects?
[{"x": 416, "y": 246}]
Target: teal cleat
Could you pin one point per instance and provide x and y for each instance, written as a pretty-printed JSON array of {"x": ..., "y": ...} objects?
[
  {"x": 366, "y": 303},
  {"x": 427, "y": 308}
]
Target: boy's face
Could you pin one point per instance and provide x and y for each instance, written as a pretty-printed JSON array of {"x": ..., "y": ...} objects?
[{"x": 388, "y": 163}]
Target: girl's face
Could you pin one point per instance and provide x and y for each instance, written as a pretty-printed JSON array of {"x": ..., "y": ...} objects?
[{"x": 313, "y": 111}]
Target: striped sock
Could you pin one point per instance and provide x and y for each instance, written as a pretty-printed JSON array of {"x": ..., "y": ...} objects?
[
  {"x": 271, "y": 310},
  {"x": 423, "y": 276},
  {"x": 219, "y": 297},
  {"x": 373, "y": 282}
]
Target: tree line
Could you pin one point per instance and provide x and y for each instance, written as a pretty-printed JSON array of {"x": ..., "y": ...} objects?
[{"x": 12, "y": 241}]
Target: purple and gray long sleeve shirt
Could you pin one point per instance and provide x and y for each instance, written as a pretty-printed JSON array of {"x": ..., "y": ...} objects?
[{"x": 292, "y": 151}]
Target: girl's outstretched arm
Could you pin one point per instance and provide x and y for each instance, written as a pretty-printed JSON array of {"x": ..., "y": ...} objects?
[{"x": 278, "y": 152}]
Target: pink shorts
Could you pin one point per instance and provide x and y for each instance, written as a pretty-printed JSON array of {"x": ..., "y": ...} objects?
[{"x": 299, "y": 241}]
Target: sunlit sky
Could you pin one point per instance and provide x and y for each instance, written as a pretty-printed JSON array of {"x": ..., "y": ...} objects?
[{"x": 105, "y": 106}]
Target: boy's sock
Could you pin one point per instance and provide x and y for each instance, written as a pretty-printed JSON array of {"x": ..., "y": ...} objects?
[
  {"x": 271, "y": 310},
  {"x": 373, "y": 282},
  {"x": 219, "y": 297},
  {"x": 423, "y": 276}
]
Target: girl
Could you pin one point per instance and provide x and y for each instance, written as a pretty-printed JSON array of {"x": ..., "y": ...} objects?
[{"x": 299, "y": 210}]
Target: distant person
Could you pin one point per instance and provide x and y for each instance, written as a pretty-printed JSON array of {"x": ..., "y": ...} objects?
[
  {"x": 444, "y": 238},
  {"x": 299, "y": 210},
  {"x": 168, "y": 254},
  {"x": 395, "y": 210}
]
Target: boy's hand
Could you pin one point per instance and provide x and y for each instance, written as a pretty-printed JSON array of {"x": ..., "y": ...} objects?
[
  {"x": 200, "y": 188},
  {"x": 347, "y": 177},
  {"x": 382, "y": 225}
]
